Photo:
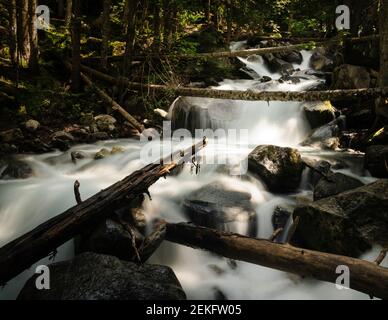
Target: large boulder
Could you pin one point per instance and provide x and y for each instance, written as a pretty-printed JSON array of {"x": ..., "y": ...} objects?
[
  {"x": 11, "y": 135},
  {"x": 348, "y": 76},
  {"x": 347, "y": 223},
  {"x": 92, "y": 276},
  {"x": 334, "y": 183},
  {"x": 319, "y": 113},
  {"x": 291, "y": 56},
  {"x": 376, "y": 160},
  {"x": 280, "y": 168},
  {"x": 217, "y": 204}
]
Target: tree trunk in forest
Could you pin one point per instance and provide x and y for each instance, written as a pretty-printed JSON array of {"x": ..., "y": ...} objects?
[
  {"x": 214, "y": 9},
  {"x": 130, "y": 23},
  {"x": 242, "y": 95},
  {"x": 105, "y": 33},
  {"x": 23, "y": 36},
  {"x": 69, "y": 13},
  {"x": 365, "y": 276},
  {"x": 167, "y": 25},
  {"x": 21, "y": 253},
  {"x": 383, "y": 43},
  {"x": 61, "y": 9},
  {"x": 76, "y": 46},
  {"x": 12, "y": 31},
  {"x": 229, "y": 21},
  {"x": 207, "y": 6},
  {"x": 156, "y": 25},
  {"x": 33, "y": 61}
]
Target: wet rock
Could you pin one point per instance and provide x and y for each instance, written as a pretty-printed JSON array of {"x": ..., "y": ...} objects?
[
  {"x": 292, "y": 57},
  {"x": 280, "y": 168},
  {"x": 11, "y": 135},
  {"x": 103, "y": 153},
  {"x": 326, "y": 136},
  {"x": 96, "y": 136},
  {"x": 348, "y": 76},
  {"x": 265, "y": 79},
  {"x": 87, "y": 119},
  {"x": 376, "y": 161},
  {"x": 334, "y": 184},
  {"x": 16, "y": 169},
  {"x": 320, "y": 62},
  {"x": 217, "y": 204},
  {"x": 77, "y": 155},
  {"x": 117, "y": 149},
  {"x": 32, "y": 125},
  {"x": 346, "y": 223},
  {"x": 105, "y": 122},
  {"x": 281, "y": 215},
  {"x": 109, "y": 237},
  {"x": 319, "y": 113},
  {"x": 91, "y": 276},
  {"x": 62, "y": 135},
  {"x": 278, "y": 65}
]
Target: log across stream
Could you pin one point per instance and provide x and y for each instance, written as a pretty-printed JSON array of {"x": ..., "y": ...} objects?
[{"x": 202, "y": 274}]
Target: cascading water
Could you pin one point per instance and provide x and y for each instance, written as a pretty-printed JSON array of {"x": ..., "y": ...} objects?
[{"x": 26, "y": 203}]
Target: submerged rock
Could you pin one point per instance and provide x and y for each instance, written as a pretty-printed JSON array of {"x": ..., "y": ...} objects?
[
  {"x": 334, "y": 184},
  {"x": 347, "y": 223},
  {"x": 319, "y": 113},
  {"x": 103, "y": 153},
  {"x": 16, "y": 169},
  {"x": 376, "y": 161},
  {"x": 280, "y": 168},
  {"x": 91, "y": 276},
  {"x": 216, "y": 204}
]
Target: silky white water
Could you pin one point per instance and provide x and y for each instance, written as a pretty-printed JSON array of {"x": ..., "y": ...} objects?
[{"x": 25, "y": 204}]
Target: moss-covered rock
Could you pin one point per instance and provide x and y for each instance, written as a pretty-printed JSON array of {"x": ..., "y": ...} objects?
[
  {"x": 319, "y": 113},
  {"x": 347, "y": 223},
  {"x": 279, "y": 168}
]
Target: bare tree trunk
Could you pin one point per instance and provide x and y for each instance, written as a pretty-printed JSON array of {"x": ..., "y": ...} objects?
[
  {"x": 365, "y": 276},
  {"x": 69, "y": 12},
  {"x": 130, "y": 23},
  {"x": 61, "y": 9},
  {"x": 383, "y": 43},
  {"x": 12, "y": 31},
  {"x": 76, "y": 47},
  {"x": 23, "y": 32},
  {"x": 166, "y": 22},
  {"x": 33, "y": 61},
  {"x": 24, "y": 251},
  {"x": 105, "y": 33},
  {"x": 229, "y": 20},
  {"x": 156, "y": 25},
  {"x": 207, "y": 6}
]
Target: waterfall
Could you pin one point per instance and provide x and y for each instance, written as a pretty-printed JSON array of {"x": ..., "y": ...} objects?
[{"x": 26, "y": 203}]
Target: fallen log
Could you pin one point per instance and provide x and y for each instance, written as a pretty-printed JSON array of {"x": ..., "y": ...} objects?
[
  {"x": 239, "y": 53},
  {"x": 249, "y": 95},
  {"x": 366, "y": 277},
  {"x": 115, "y": 106},
  {"x": 24, "y": 251}
]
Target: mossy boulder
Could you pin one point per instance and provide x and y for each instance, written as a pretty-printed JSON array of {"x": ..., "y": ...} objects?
[
  {"x": 376, "y": 160},
  {"x": 347, "y": 223},
  {"x": 279, "y": 168},
  {"x": 319, "y": 113}
]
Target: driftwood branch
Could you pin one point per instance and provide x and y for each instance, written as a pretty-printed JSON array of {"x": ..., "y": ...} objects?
[
  {"x": 24, "y": 251},
  {"x": 249, "y": 95},
  {"x": 366, "y": 277},
  {"x": 76, "y": 192}
]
